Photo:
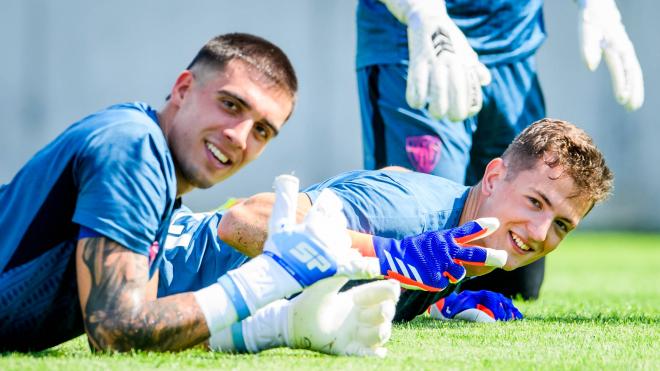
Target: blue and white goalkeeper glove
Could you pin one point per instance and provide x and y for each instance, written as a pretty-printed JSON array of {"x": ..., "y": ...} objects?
[
  {"x": 432, "y": 260},
  {"x": 475, "y": 306},
  {"x": 295, "y": 256}
]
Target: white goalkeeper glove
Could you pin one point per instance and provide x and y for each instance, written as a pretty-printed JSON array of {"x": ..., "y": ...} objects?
[
  {"x": 601, "y": 32},
  {"x": 355, "y": 322},
  {"x": 295, "y": 256},
  {"x": 443, "y": 71}
]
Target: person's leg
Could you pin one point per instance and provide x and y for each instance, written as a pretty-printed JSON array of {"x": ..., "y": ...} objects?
[
  {"x": 395, "y": 134},
  {"x": 513, "y": 101}
]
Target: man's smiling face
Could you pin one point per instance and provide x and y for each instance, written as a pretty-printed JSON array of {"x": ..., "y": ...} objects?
[
  {"x": 536, "y": 209},
  {"x": 223, "y": 121}
]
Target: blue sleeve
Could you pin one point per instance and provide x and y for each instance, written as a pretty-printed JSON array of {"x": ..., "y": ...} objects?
[
  {"x": 395, "y": 204},
  {"x": 122, "y": 176},
  {"x": 195, "y": 257}
]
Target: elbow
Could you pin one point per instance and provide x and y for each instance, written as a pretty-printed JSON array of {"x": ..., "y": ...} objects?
[
  {"x": 117, "y": 334},
  {"x": 244, "y": 226}
]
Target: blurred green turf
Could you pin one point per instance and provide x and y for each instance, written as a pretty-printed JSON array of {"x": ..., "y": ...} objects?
[{"x": 599, "y": 309}]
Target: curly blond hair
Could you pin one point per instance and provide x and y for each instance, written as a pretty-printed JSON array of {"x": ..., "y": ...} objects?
[{"x": 560, "y": 143}]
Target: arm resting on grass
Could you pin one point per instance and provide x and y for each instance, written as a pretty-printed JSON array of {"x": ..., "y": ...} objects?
[{"x": 119, "y": 304}]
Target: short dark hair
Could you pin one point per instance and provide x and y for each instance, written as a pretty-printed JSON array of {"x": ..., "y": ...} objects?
[
  {"x": 257, "y": 52},
  {"x": 560, "y": 143}
]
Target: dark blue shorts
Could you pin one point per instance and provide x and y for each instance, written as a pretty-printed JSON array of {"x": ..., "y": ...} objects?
[{"x": 395, "y": 134}]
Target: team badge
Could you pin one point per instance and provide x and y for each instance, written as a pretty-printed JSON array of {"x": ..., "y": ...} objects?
[{"x": 423, "y": 152}]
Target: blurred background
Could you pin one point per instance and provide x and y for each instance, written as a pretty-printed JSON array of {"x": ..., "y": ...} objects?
[{"x": 61, "y": 60}]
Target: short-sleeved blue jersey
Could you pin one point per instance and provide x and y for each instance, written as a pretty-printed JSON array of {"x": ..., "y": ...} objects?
[
  {"x": 500, "y": 31},
  {"x": 112, "y": 173},
  {"x": 398, "y": 204}
]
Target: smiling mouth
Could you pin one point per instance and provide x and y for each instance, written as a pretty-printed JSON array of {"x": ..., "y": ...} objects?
[
  {"x": 519, "y": 242},
  {"x": 221, "y": 157}
]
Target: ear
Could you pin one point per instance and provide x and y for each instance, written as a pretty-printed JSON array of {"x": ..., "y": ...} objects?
[
  {"x": 493, "y": 175},
  {"x": 181, "y": 87}
]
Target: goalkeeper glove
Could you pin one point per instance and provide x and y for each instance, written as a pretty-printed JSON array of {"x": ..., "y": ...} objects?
[
  {"x": 443, "y": 69},
  {"x": 601, "y": 32},
  {"x": 354, "y": 322},
  {"x": 475, "y": 306},
  {"x": 295, "y": 256},
  {"x": 431, "y": 260}
]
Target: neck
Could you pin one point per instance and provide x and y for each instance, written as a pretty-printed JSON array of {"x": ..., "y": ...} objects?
[
  {"x": 471, "y": 205},
  {"x": 182, "y": 185}
]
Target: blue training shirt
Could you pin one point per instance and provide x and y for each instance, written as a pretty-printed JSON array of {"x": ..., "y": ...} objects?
[
  {"x": 500, "y": 31},
  {"x": 398, "y": 204},
  {"x": 112, "y": 173}
]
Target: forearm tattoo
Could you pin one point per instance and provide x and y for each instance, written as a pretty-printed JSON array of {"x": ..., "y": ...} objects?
[{"x": 118, "y": 315}]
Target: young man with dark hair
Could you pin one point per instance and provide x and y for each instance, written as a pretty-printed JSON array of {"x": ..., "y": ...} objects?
[{"x": 84, "y": 220}]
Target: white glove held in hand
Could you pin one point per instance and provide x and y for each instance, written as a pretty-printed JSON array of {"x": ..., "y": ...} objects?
[
  {"x": 601, "y": 32},
  {"x": 355, "y": 322},
  {"x": 444, "y": 71}
]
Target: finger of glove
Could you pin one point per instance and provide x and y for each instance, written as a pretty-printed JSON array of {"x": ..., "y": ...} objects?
[
  {"x": 475, "y": 98},
  {"x": 636, "y": 81},
  {"x": 590, "y": 38},
  {"x": 484, "y": 74},
  {"x": 374, "y": 293},
  {"x": 374, "y": 335},
  {"x": 323, "y": 288},
  {"x": 458, "y": 93},
  {"x": 439, "y": 91},
  {"x": 474, "y": 230},
  {"x": 637, "y": 85},
  {"x": 454, "y": 272},
  {"x": 498, "y": 308},
  {"x": 417, "y": 81},
  {"x": 327, "y": 206},
  {"x": 474, "y": 315},
  {"x": 516, "y": 313},
  {"x": 286, "y": 202},
  {"x": 378, "y": 313},
  {"x": 355, "y": 266},
  {"x": 620, "y": 84},
  {"x": 327, "y": 223},
  {"x": 360, "y": 350},
  {"x": 476, "y": 255}
]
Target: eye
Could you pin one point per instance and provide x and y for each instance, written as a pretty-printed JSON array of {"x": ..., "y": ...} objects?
[
  {"x": 229, "y": 105},
  {"x": 535, "y": 203},
  {"x": 263, "y": 131},
  {"x": 562, "y": 226}
]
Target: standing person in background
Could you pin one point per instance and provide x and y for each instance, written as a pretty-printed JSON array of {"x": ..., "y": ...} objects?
[{"x": 444, "y": 87}]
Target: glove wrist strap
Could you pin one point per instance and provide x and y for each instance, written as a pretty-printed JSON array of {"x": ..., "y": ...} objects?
[
  {"x": 262, "y": 281},
  {"x": 266, "y": 329}
]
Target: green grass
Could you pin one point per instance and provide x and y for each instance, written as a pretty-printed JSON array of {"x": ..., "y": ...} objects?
[{"x": 599, "y": 309}]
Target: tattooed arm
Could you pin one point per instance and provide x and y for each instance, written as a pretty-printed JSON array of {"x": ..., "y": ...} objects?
[{"x": 119, "y": 303}]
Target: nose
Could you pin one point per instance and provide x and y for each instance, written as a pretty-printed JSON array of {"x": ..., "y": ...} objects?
[
  {"x": 538, "y": 228},
  {"x": 238, "y": 133}
]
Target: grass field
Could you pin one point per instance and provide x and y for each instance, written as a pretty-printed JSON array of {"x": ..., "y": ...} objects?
[{"x": 599, "y": 309}]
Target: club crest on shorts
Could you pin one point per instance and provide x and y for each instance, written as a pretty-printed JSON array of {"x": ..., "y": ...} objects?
[{"x": 423, "y": 152}]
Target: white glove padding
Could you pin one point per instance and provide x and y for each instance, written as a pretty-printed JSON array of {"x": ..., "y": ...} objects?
[
  {"x": 355, "y": 322},
  {"x": 297, "y": 255},
  {"x": 444, "y": 71},
  {"x": 601, "y": 32}
]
